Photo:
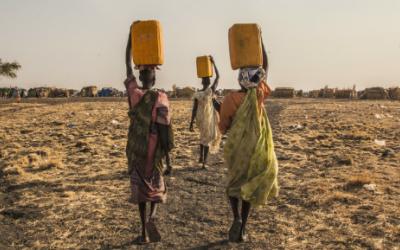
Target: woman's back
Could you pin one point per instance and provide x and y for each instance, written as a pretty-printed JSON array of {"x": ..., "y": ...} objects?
[{"x": 232, "y": 102}]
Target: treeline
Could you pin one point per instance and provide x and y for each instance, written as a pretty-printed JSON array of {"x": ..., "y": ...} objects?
[
  {"x": 49, "y": 92},
  {"x": 88, "y": 91},
  {"x": 188, "y": 92},
  {"x": 375, "y": 93}
]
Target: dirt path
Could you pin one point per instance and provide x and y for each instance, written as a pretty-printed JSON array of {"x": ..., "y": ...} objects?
[{"x": 64, "y": 183}]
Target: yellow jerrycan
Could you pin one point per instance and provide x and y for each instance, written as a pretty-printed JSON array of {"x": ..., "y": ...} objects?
[
  {"x": 245, "y": 47},
  {"x": 147, "y": 43},
  {"x": 204, "y": 66}
]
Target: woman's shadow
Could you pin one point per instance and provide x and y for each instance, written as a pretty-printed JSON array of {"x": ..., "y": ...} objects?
[
  {"x": 211, "y": 245},
  {"x": 134, "y": 242}
]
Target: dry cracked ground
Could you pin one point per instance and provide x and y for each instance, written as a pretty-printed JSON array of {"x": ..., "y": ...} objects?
[{"x": 64, "y": 183}]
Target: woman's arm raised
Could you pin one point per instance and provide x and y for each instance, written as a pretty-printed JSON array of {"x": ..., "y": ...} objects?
[
  {"x": 215, "y": 84},
  {"x": 130, "y": 82},
  {"x": 265, "y": 58}
]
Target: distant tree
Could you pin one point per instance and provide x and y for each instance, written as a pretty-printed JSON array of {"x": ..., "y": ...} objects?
[
  {"x": 174, "y": 90},
  {"x": 9, "y": 69},
  {"x": 186, "y": 92}
]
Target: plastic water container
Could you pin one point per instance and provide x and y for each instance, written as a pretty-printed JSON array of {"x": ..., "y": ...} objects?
[
  {"x": 147, "y": 43},
  {"x": 204, "y": 66},
  {"x": 245, "y": 46}
]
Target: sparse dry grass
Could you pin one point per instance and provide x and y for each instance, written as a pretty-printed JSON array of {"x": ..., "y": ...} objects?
[
  {"x": 358, "y": 181},
  {"x": 340, "y": 198},
  {"x": 63, "y": 181}
]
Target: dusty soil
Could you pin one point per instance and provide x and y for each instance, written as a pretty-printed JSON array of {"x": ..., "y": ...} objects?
[{"x": 64, "y": 183}]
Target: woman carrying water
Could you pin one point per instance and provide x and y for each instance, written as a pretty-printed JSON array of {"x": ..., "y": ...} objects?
[
  {"x": 150, "y": 139},
  {"x": 249, "y": 149},
  {"x": 207, "y": 117}
]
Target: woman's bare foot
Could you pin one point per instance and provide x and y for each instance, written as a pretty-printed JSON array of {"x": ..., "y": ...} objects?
[
  {"x": 142, "y": 240},
  {"x": 243, "y": 235},
  {"x": 152, "y": 230},
  {"x": 235, "y": 231}
]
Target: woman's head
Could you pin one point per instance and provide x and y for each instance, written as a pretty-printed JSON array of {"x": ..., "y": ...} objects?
[
  {"x": 148, "y": 77},
  {"x": 251, "y": 77},
  {"x": 205, "y": 81}
]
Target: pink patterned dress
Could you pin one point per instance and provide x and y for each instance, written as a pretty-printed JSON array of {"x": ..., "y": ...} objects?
[{"x": 147, "y": 182}]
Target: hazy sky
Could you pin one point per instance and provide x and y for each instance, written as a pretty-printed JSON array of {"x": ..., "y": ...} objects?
[{"x": 311, "y": 43}]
